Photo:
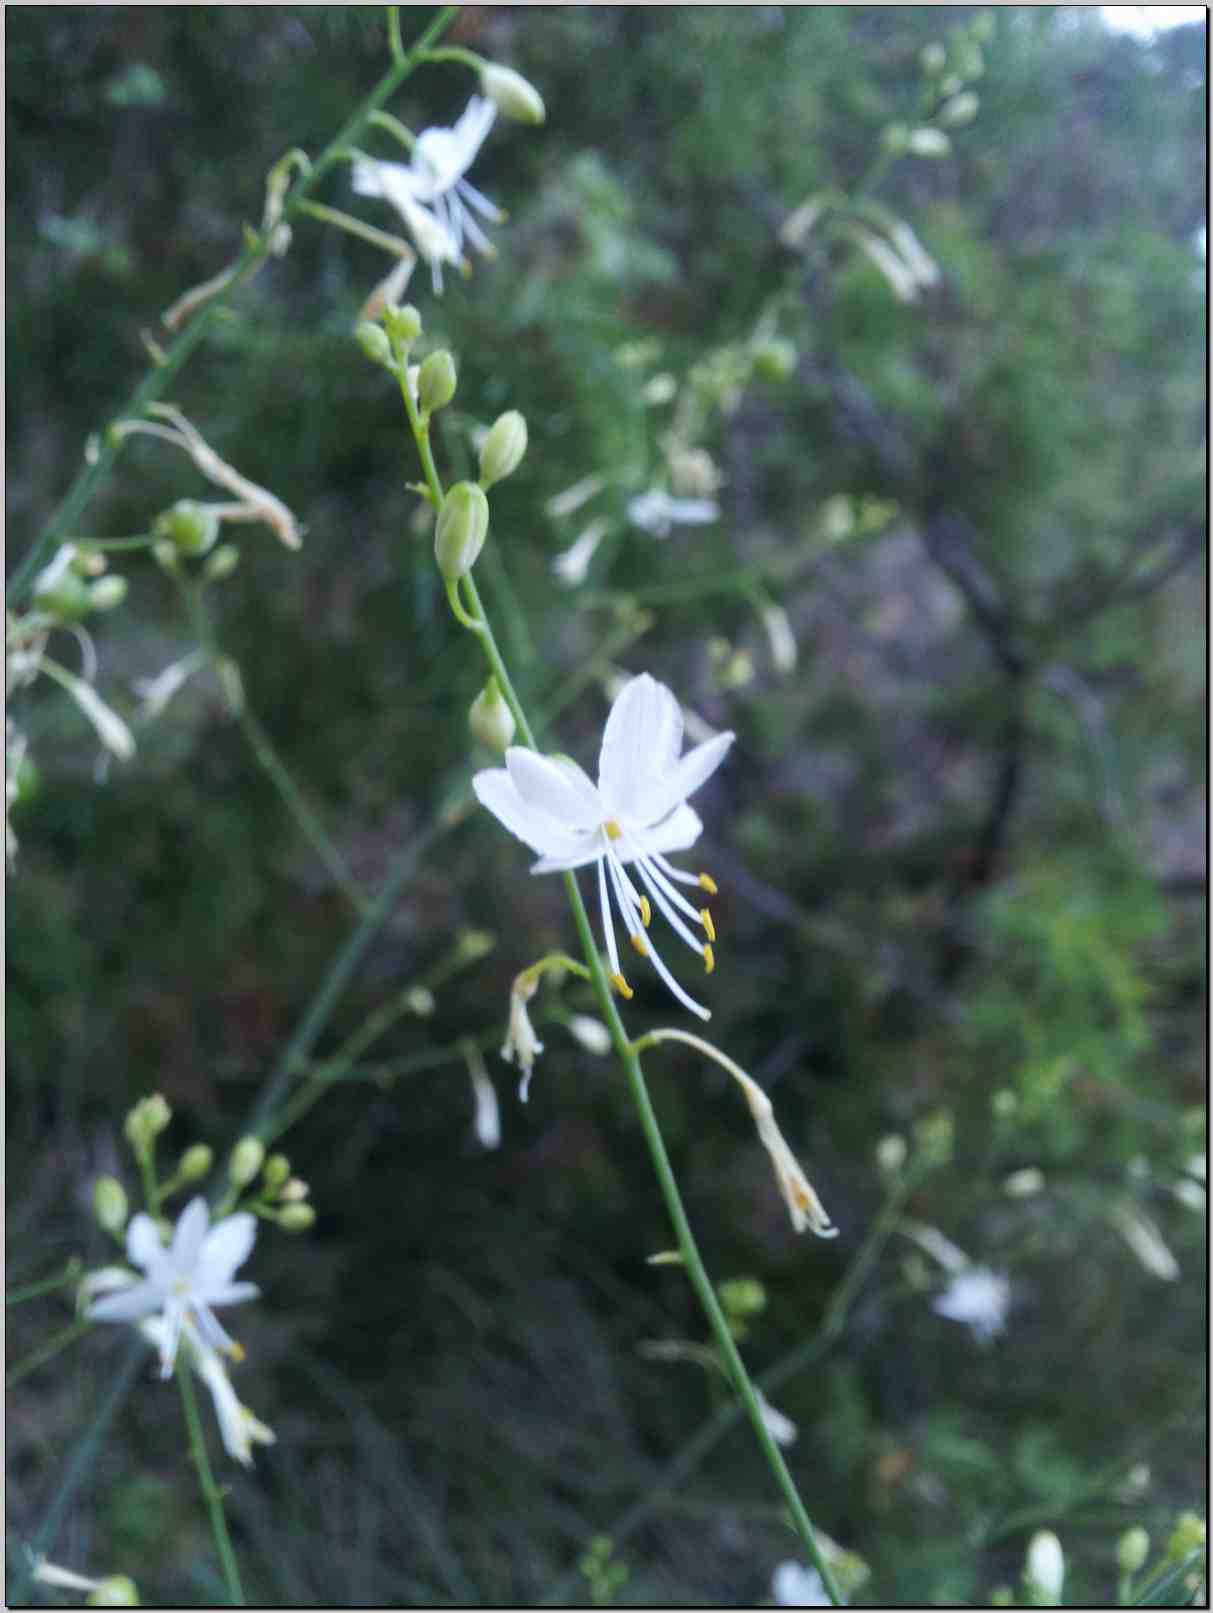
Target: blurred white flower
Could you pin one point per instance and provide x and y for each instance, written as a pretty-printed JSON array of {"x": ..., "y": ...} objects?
[
  {"x": 572, "y": 564},
  {"x": 487, "y": 1119},
  {"x": 185, "y": 1280},
  {"x": 1146, "y": 1242},
  {"x": 1045, "y": 1569},
  {"x": 521, "y": 1045},
  {"x": 794, "y": 1585},
  {"x": 1024, "y": 1184},
  {"x": 781, "y": 1429},
  {"x": 978, "y": 1297},
  {"x": 110, "y": 728},
  {"x": 656, "y": 512},
  {"x": 239, "y": 1429},
  {"x": 117, "y": 1590},
  {"x": 155, "y": 693},
  {"x": 780, "y": 637}
]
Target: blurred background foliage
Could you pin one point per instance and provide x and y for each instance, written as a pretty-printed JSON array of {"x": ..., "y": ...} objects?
[{"x": 960, "y": 845}]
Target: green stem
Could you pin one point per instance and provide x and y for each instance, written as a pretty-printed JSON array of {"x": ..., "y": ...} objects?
[
  {"x": 211, "y": 1493},
  {"x": 48, "y": 1351},
  {"x": 47, "y": 1285},
  {"x": 153, "y": 386},
  {"x": 355, "y": 226},
  {"x": 394, "y": 42}
]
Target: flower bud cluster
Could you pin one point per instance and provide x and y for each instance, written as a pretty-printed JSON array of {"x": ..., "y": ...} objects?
[
  {"x": 145, "y": 1122},
  {"x": 63, "y": 590}
]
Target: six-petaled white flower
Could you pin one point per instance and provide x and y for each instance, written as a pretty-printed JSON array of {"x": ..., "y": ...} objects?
[
  {"x": 635, "y": 814},
  {"x": 185, "y": 1280},
  {"x": 437, "y": 203}
]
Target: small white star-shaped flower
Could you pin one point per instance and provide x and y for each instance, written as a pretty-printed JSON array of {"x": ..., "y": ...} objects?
[
  {"x": 978, "y": 1297},
  {"x": 184, "y": 1281},
  {"x": 635, "y": 814}
]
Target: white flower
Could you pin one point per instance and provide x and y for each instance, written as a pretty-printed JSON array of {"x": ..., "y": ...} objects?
[
  {"x": 980, "y": 1298},
  {"x": 781, "y": 638},
  {"x": 521, "y": 1044},
  {"x": 1146, "y": 1242},
  {"x": 572, "y": 564},
  {"x": 187, "y": 1279},
  {"x": 111, "y": 730},
  {"x": 655, "y": 512},
  {"x": 637, "y": 811},
  {"x": 239, "y": 1429},
  {"x": 486, "y": 1121},
  {"x": 1045, "y": 1568},
  {"x": 781, "y": 1429},
  {"x": 430, "y": 192},
  {"x": 155, "y": 693},
  {"x": 794, "y": 1585}
]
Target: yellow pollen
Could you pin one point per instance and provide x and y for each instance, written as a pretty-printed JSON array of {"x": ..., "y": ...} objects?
[
  {"x": 709, "y": 959},
  {"x": 641, "y": 945},
  {"x": 236, "y": 1351},
  {"x": 705, "y": 918},
  {"x": 708, "y": 884},
  {"x": 622, "y": 987},
  {"x": 612, "y": 828},
  {"x": 646, "y": 912}
]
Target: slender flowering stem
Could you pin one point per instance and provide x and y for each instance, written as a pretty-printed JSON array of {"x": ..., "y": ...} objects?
[
  {"x": 257, "y": 248},
  {"x": 211, "y": 1493},
  {"x": 47, "y": 1285},
  {"x": 47, "y": 1352},
  {"x": 626, "y": 1051}
]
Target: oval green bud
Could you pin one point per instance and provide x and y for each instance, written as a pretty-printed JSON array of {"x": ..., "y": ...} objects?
[
  {"x": 295, "y": 1191},
  {"x": 934, "y": 58},
  {"x": 742, "y": 1296},
  {"x": 774, "y": 359},
  {"x": 403, "y": 325},
  {"x": 960, "y": 109},
  {"x": 1132, "y": 1549},
  {"x": 146, "y": 1121},
  {"x": 502, "y": 450},
  {"x": 117, "y": 1591},
  {"x": 928, "y": 143},
  {"x": 491, "y": 721},
  {"x": 107, "y": 593},
  {"x": 1189, "y": 1536},
  {"x": 246, "y": 1160},
  {"x": 189, "y": 526},
  {"x": 514, "y": 96},
  {"x": 296, "y": 1218},
  {"x": 436, "y": 381},
  {"x": 277, "y": 1170},
  {"x": 196, "y": 1162},
  {"x": 222, "y": 563},
  {"x": 374, "y": 342},
  {"x": 463, "y": 524},
  {"x": 896, "y": 138},
  {"x": 109, "y": 1203},
  {"x": 61, "y": 591},
  {"x": 164, "y": 554}
]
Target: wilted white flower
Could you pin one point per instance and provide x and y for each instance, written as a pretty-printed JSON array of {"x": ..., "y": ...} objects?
[
  {"x": 978, "y": 1297},
  {"x": 572, "y": 564},
  {"x": 656, "y": 512},
  {"x": 794, "y": 1585},
  {"x": 186, "y": 1280},
  {"x": 111, "y": 730},
  {"x": 796, "y": 228},
  {"x": 155, "y": 693},
  {"x": 522, "y": 1046},
  {"x": 487, "y": 1119},
  {"x": 637, "y": 811},
  {"x": 239, "y": 1429},
  {"x": 430, "y": 192},
  {"x": 1146, "y": 1242}
]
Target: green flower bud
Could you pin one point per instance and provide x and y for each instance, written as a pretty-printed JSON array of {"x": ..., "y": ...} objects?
[
  {"x": 933, "y": 58},
  {"x": 1132, "y": 1549},
  {"x": 195, "y": 1162},
  {"x": 982, "y": 27},
  {"x": 515, "y": 97},
  {"x": 403, "y": 325},
  {"x": 246, "y": 1160},
  {"x": 61, "y": 591},
  {"x": 164, "y": 554},
  {"x": 222, "y": 563},
  {"x": 296, "y": 1218},
  {"x": 295, "y": 1191},
  {"x": 960, "y": 109},
  {"x": 436, "y": 382},
  {"x": 742, "y": 1296},
  {"x": 107, "y": 593},
  {"x": 896, "y": 138},
  {"x": 928, "y": 143},
  {"x": 146, "y": 1121},
  {"x": 116, "y": 1591},
  {"x": 934, "y": 1136},
  {"x": 109, "y": 1203},
  {"x": 472, "y": 945},
  {"x": 1189, "y": 1536},
  {"x": 502, "y": 450},
  {"x": 463, "y": 524},
  {"x": 189, "y": 526},
  {"x": 490, "y": 719},
  {"x": 374, "y": 342},
  {"x": 891, "y": 1154},
  {"x": 774, "y": 359},
  {"x": 277, "y": 1170}
]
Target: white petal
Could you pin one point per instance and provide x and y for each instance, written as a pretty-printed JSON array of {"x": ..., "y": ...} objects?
[
  {"x": 143, "y": 1245},
  {"x": 695, "y": 768},
  {"x": 560, "y": 790},
  {"x": 190, "y": 1233},
  {"x": 497, "y": 791},
  {"x": 210, "y": 1330},
  {"x": 128, "y": 1305},
  {"x": 678, "y": 832},
  {"x": 227, "y": 1246},
  {"x": 589, "y": 853},
  {"x": 232, "y": 1294},
  {"x": 640, "y": 742}
]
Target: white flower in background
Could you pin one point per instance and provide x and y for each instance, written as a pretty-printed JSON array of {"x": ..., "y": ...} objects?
[
  {"x": 693, "y": 472},
  {"x": 117, "y": 1590},
  {"x": 430, "y": 192},
  {"x": 794, "y": 1585},
  {"x": 486, "y": 1122},
  {"x": 185, "y": 1280},
  {"x": 780, "y": 637},
  {"x": 978, "y": 1297},
  {"x": 637, "y": 812},
  {"x": 572, "y": 564},
  {"x": 1146, "y": 1242},
  {"x": 156, "y": 693},
  {"x": 781, "y": 1429},
  {"x": 656, "y": 512},
  {"x": 239, "y": 1429},
  {"x": 521, "y": 1045},
  {"x": 574, "y": 497}
]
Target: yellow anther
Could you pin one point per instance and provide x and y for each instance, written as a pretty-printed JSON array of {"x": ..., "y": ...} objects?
[
  {"x": 705, "y": 918},
  {"x": 641, "y": 945},
  {"x": 709, "y": 959},
  {"x": 708, "y": 884},
  {"x": 236, "y": 1351},
  {"x": 622, "y": 987},
  {"x": 612, "y": 828},
  {"x": 646, "y": 912}
]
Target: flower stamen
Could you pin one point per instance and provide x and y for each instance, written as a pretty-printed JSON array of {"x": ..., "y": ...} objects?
[
  {"x": 705, "y": 918},
  {"x": 614, "y": 832},
  {"x": 641, "y": 945},
  {"x": 646, "y": 912},
  {"x": 707, "y": 883},
  {"x": 709, "y": 959},
  {"x": 622, "y": 987}
]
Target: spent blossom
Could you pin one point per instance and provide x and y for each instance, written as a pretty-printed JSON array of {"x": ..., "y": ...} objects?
[
  {"x": 635, "y": 814},
  {"x": 186, "y": 1280},
  {"x": 656, "y": 512}
]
